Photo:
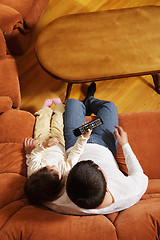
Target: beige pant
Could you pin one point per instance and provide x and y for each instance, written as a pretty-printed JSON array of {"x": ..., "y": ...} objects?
[{"x": 49, "y": 123}]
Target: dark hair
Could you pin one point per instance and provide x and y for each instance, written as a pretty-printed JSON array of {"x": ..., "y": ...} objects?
[
  {"x": 43, "y": 185},
  {"x": 86, "y": 185}
]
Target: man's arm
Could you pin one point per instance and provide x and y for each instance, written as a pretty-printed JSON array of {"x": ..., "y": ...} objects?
[{"x": 132, "y": 162}]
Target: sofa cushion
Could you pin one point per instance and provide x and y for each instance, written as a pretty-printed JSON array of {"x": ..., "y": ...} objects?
[
  {"x": 153, "y": 190},
  {"x": 9, "y": 210},
  {"x": 12, "y": 158},
  {"x": 142, "y": 221},
  {"x": 15, "y": 125},
  {"x": 12, "y": 188},
  {"x": 153, "y": 186},
  {"x": 41, "y": 223}
]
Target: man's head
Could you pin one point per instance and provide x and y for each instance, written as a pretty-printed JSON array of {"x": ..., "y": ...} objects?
[
  {"x": 86, "y": 185},
  {"x": 44, "y": 185}
]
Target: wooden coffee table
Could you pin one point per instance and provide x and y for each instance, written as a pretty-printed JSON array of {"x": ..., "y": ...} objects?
[{"x": 103, "y": 45}]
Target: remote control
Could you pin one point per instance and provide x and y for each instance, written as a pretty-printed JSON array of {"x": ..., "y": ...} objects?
[{"x": 84, "y": 128}]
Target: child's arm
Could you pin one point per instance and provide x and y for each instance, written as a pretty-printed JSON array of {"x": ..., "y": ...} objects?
[
  {"x": 50, "y": 142},
  {"x": 77, "y": 150},
  {"x": 29, "y": 145},
  {"x": 33, "y": 155}
]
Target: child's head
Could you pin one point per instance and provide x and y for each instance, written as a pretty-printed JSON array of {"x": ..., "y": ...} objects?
[
  {"x": 86, "y": 185},
  {"x": 44, "y": 185}
]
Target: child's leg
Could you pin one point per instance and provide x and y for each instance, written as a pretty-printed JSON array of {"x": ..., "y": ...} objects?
[
  {"x": 74, "y": 117},
  {"x": 57, "y": 123},
  {"x": 42, "y": 125}
]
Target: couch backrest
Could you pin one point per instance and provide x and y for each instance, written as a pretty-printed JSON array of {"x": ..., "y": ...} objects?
[
  {"x": 143, "y": 133},
  {"x": 9, "y": 81}
]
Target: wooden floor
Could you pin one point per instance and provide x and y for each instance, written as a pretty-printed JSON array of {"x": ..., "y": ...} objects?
[{"x": 129, "y": 94}]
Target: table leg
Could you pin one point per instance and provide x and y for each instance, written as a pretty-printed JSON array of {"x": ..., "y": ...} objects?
[
  {"x": 156, "y": 80},
  {"x": 69, "y": 87}
]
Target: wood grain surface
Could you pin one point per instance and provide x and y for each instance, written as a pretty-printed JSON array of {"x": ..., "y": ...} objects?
[{"x": 133, "y": 94}]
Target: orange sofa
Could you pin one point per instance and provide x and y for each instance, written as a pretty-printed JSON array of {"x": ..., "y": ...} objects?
[
  {"x": 17, "y": 19},
  {"x": 21, "y": 221}
]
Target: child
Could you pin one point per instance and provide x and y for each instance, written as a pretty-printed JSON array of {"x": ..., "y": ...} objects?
[
  {"x": 47, "y": 161},
  {"x": 49, "y": 123}
]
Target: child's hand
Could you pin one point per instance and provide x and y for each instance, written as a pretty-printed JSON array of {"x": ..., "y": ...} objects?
[
  {"x": 120, "y": 135},
  {"x": 51, "y": 142},
  {"x": 29, "y": 145},
  {"x": 87, "y": 134}
]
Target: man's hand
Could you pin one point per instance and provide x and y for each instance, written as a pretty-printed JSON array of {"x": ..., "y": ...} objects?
[
  {"x": 29, "y": 145},
  {"x": 120, "y": 135}
]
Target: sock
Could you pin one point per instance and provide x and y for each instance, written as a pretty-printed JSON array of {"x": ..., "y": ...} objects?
[
  {"x": 56, "y": 101},
  {"x": 90, "y": 91},
  {"x": 48, "y": 102}
]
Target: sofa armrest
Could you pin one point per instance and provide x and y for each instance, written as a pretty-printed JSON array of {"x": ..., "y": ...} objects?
[
  {"x": 10, "y": 19},
  {"x": 17, "y": 19},
  {"x": 9, "y": 81},
  {"x": 5, "y": 104},
  {"x": 3, "y": 47},
  {"x": 35, "y": 12},
  {"x": 31, "y": 12}
]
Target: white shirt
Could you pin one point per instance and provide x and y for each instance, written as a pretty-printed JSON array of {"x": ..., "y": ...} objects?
[
  {"x": 55, "y": 155},
  {"x": 126, "y": 190}
]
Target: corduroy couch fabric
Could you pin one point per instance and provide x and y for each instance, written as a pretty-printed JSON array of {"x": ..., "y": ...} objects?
[
  {"x": 21, "y": 221},
  {"x": 9, "y": 82},
  {"x": 17, "y": 19}
]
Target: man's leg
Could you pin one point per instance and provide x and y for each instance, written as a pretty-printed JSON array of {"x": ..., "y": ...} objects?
[
  {"x": 103, "y": 134},
  {"x": 74, "y": 117}
]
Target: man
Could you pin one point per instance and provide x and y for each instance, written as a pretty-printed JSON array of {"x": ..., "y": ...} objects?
[{"x": 95, "y": 185}]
